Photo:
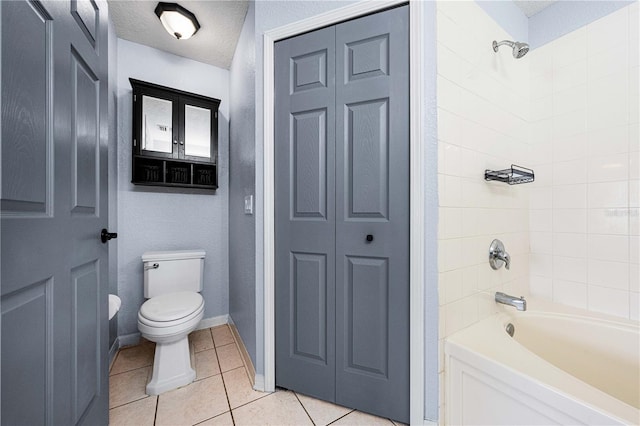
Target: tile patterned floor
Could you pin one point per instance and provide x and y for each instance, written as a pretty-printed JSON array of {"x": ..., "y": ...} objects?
[{"x": 220, "y": 395}]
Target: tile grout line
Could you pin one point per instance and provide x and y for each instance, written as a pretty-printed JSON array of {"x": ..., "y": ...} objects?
[
  {"x": 224, "y": 385},
  {"x": 130, "y": 402},
  {"x": 341, "y": 417},
  {"x": 129, "y": 371},
  {"x": 305, "y": 409},
  {"x": 155, "y": 414},
  {"x": 265, "y": 394}
]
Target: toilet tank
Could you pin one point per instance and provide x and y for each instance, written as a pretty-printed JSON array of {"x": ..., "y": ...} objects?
[{"x": 181, "y": 270}]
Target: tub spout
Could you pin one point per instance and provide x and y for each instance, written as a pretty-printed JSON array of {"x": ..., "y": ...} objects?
[{"x": 518, "y": 302}]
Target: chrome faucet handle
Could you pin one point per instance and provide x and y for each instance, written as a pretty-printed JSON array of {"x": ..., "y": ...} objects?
[
  {"x": 498, "y": 256},
  {"x": 506, "y": 259}
]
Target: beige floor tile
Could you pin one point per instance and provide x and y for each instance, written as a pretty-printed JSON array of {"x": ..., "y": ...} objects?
[
  {"x": 192, "y": 404},
  {"x": 229, "y": 357},
  {"x": 398, "y": 423},
  {"x": 239, "y": 388},
  {"x": 201, "y": 340},
  {"x": 221, "y": 420},
  {"x": 134, "y": 357},
  {"x": 322, "y": 412},
  {"x": 128, "y": 387},
  {"x": 279, "y": 408},
  {"x": 206, "y": 363},
  {"x": 222, "y": 335},
  {"x": 138, "y": 413},
  {"x": 360, "y": 418}
]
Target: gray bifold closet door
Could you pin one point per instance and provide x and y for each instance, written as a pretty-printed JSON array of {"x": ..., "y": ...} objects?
[{"x": 342, "y": 213}]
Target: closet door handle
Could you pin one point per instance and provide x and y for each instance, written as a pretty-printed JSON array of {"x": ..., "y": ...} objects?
[{"x": 369, "y": 238}]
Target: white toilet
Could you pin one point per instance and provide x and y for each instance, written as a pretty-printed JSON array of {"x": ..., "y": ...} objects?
[{"x": 172, "y": 282}]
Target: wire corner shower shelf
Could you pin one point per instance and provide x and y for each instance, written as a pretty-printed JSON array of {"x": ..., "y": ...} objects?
[{"x": 513, "y": 176}]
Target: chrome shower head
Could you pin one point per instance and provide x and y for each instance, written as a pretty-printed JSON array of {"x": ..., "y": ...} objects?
[{"x": 519, "y": 49}]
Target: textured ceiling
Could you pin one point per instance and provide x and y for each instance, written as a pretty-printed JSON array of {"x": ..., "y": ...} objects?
[
  {"x": 220, "y": 21},
  {"x": 531, "y": 7}
]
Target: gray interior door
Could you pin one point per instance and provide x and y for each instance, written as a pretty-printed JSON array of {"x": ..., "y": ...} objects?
[
  {"x": 53, "y": 205},
  {"x": 342, "y": 214}
]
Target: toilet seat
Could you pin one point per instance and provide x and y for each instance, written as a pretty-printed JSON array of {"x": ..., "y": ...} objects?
[
  {"x": 168, "y": 324},
  {"x": 170, "y": 308},
  {"x": 183, "y": 312}
]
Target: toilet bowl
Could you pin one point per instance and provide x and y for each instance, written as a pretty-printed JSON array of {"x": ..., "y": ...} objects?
[{"x": 174, "y": 309}]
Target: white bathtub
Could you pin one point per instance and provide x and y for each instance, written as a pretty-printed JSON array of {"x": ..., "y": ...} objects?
[{"x": 559, "y": 368}]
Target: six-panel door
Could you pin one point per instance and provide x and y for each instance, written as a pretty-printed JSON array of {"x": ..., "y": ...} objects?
[
  {"x": 342, "y": 214},
  {"x": 54, "y": 204}
]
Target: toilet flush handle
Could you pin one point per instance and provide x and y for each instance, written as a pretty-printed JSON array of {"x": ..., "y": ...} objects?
[{"x": 154, "y": 266}]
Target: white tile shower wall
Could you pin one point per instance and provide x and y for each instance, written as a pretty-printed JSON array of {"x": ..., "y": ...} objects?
[
  {"x": 584, "y": 222},
  {"x": 483, "y": 107}
]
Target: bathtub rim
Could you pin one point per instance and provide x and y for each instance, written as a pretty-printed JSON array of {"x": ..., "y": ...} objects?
[{"x": 481, "y": 345}]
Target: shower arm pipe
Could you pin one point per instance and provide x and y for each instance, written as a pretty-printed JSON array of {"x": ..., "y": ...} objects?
[{"x": 497, "y": 44}]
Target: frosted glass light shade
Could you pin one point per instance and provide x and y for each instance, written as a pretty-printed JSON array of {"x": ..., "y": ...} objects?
[{"x": 177, "y": 20}]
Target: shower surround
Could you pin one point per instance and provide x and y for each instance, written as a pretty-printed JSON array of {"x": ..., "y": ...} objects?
[
  {"x": 568, "y": 110},
  {"x": 584, "y": 222}
]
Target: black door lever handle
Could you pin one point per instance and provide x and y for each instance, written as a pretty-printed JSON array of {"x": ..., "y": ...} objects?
[{"x": 106, "y": 235}]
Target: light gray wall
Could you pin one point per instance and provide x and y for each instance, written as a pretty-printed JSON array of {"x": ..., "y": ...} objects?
[
  {"x": 242, "y": 166},
  {"x": 430, "y": 185},
  {"x": 165, "y": 218},
  {"x": 113, "y": 171}
]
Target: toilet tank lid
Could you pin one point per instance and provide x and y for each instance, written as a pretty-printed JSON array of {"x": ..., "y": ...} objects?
[{"x": 152, "y": 256}]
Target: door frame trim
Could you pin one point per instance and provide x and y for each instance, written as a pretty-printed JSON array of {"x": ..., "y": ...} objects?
[{"x": 417, "y": 128}]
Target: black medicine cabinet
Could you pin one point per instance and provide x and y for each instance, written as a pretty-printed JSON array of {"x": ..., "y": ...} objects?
[{"x": 175, "y": 137}]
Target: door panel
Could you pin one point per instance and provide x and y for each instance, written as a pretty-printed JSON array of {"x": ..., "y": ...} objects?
[
  {"x": 367, "y": 58},
  {"x": 310, "y": 164},
  {"x": 367, "y": 152},
  {"x": 372, "y": 198},
  {"x": 26, "y": 90},
  {"x": 367, "y": 287},
  {"x": 309, "y": 71},
  {"x": 309, "y": 306},
  {"x": 305, "y": 214},
  {"x": 86, "y": 137},
  {"x": 86, "y": 14},
  {"x": 30, "y": 307},
  {"x": 54, "y": 204},
  {"x": 85, "y": 346}
]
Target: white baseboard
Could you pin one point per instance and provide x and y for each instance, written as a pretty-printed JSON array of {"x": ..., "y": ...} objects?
[
  {"x": 213, "y": 322},
  {"x": 134, "y": 338},
  {"x": 113, "y": 350},
  {"x": 243, "y": 352},
  {"x": 259, "y": 384},
  {"x": 128, "y": 340}
]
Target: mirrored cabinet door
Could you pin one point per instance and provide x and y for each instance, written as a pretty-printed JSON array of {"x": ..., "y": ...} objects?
[
  {"x": 157, "y": 125},
  {"x": 199, "y": 133}
]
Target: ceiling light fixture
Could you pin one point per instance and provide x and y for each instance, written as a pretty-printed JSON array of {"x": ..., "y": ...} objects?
[{"x": 177, "y": 20}]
